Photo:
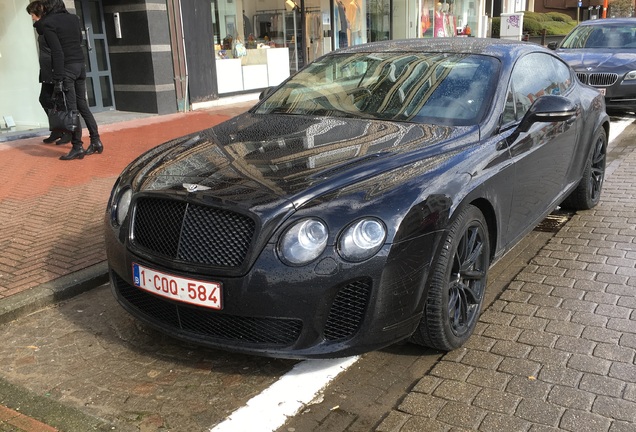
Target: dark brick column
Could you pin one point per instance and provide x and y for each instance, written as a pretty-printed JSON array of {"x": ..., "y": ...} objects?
[{"x": 141, "y": 60}]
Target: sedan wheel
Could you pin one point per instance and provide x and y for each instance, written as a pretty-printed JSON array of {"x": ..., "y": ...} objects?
[
  {"x": 457, "y": 284},
  {"x": 588, "y": 193}
]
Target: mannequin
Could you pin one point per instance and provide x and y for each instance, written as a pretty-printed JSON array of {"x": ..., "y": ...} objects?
[
  {"x": 425, "y": 19},
  {"x": 449, "y": 21},
  {"x": 353, "y": 17},
  {"x": 439, "y": 21}
]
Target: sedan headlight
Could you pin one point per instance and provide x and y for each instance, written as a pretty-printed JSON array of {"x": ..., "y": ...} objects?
[
  {"x": 630, "y": 76},
  {"x": 303, "y": 242},
  {"x": 121, "y": 206},
  {"x": 362, "y": 240}
]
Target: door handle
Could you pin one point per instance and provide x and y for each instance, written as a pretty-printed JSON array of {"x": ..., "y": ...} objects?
[{"x": 88, "y": 39}]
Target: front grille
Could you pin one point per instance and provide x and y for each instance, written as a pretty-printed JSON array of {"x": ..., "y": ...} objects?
[
  {"x": 602, "y": 79},
  {"x": 192, "y": 233},
  {"x": 598, "y": 79},
  {"x": 347, "y": 310},
  {"x": 199, "y": 322},
  {"x": 582, "y": 77}
]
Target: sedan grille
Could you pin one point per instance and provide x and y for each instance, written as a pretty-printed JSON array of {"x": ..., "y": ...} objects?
[
  {"x": 347, "y": 310},
  {"x": 192, "y": 233},
  {"x": 598, "y": 79},
  {"x": 582, "y": 77},
  {"x": 203, "y": 323}
]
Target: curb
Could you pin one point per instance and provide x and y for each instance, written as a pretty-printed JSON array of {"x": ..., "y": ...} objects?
[{"x": 34, "y": 299}]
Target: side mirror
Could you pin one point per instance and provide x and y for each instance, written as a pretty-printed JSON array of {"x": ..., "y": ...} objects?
[
  {"x": 553, "y": 45},
  {"x": 266, "y": 93},
  {"x": 546, "y": 109}
]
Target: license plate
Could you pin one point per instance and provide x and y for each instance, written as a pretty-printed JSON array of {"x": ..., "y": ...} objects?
[
  {"x": 206, "y": 294},
  {"x": 602, "y": 90}
]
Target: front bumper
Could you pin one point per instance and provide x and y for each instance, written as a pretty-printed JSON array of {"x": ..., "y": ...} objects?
[
  {"x": 618, "y": 94},
  {"x": 329, "y": 308}
]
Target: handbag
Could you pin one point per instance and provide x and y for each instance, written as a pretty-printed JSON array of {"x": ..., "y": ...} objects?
[
  {"x": 239, "y": 49},
  {"x": 63, "y": 119}
]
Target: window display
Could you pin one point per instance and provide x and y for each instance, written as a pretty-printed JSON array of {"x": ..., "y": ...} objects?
[
  {"x": 250, "y": 49},
  {"x": 319, "y": 27},
  {"x": 447, "y": 18}
]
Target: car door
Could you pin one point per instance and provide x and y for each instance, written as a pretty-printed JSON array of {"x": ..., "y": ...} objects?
[{"x": 541, "y": 156}]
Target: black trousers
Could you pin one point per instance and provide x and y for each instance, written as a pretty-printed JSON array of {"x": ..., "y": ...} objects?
[{"x": 75, "y": 82}]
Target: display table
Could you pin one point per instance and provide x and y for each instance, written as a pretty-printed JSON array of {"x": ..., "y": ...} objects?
[
  {"x": 260, "y": 68},
  {"x": 229, "y": 75}
]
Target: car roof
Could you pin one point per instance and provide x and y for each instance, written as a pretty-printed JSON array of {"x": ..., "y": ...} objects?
[
  {"x": 608, "y": 22},
  {"x": 501, "y": 48}
]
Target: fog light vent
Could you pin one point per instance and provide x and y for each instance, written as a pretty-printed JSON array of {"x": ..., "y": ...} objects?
[{"x": 347, "y": 310}]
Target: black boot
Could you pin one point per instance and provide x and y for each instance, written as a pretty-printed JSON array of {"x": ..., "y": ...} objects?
[
  {"x": 54, "y": 136},
  {"x": 64, "y": 139},
  {"x": 95, "y": 146},
  {"x": 77, "y": 152}
]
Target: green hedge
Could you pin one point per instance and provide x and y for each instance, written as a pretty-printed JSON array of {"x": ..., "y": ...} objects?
[
  {"x": 558, "y": 16},
  {"x": 554, "y": 24},
  {"x": 532, "y": 26},
  {"x": 536, "y": 16},
  {"x": 495, "y": 27}
]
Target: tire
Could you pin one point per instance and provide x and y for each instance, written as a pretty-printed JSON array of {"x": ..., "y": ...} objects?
[
  {"x": 457, "y": 284},
  {"x": 588, "y": 193}
]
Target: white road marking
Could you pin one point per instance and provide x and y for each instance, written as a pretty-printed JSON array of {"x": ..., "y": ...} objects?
[
  {"x": 270, "y": 409},
  {"x": 286, "y": 397},
  {"x": 617, "y": 127}
]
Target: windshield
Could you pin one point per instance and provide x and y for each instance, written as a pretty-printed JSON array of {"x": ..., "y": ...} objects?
[
  {"x": 605, "y": 36},
  {"x": 450, "y": 89}
]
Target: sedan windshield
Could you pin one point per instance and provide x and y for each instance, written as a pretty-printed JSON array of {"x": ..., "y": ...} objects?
[
  {"x": 605, "y": 36},
  {"x": 450, "y": 89}
]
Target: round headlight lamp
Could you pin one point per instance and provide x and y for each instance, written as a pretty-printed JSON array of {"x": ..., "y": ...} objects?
[
  {"x": 630, "y": 76},
  {"x": 122, "y": 205},
  {"x": 303, "y": 242},
  {"x": 362, "y": 239}
]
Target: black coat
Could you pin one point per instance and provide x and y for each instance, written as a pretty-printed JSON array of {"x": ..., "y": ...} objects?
[
  {"x": 46, "y": 65},
  {"x": 64, "y": 37}
]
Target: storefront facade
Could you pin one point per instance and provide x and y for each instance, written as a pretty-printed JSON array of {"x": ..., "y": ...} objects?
[
  {"x": 258, "y": 44},
  {"x": 163, "y": 56}
]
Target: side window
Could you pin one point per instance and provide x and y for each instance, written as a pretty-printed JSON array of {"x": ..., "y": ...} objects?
[
  {"x": 562, "y": 76},
  {"x": 535, "y": 75}
]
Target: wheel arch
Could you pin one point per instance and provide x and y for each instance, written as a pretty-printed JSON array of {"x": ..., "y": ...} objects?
[
  {"x": 606, "y": 126},
  {"x": 486, "y": 208}
]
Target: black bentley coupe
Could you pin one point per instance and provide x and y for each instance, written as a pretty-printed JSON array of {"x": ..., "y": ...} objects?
[{"x": 359, "y": 203}]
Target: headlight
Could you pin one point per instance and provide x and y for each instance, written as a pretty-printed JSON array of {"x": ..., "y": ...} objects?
[
  {"x": 630, "y": 76},
  {"x": 303, "y": 242},
  {"x": 122, "y": 204},
  {"x": 362, "y": 240}
]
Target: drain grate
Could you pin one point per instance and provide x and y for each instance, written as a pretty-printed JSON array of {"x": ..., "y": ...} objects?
[{"x": 554, "y": 221}]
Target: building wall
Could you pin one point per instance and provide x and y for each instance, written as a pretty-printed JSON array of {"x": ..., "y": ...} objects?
[
  {"x": 19, "y": 67},
  {"x": 141, "y": 60}
]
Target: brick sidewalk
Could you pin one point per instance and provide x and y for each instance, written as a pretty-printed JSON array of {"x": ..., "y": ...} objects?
[
  {"x": 557, "y": 350},
  {"x": 51, "y": 211},
  {"x": 11, "y": 420}
]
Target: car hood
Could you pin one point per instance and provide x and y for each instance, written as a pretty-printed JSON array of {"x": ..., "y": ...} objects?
[
  {"x": 581, "y": 59},
  {"x": 276, "y": 160}
]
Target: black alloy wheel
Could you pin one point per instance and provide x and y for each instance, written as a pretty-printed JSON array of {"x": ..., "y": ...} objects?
[
  {"x": 597, "y": 174},
  {"x": 457, "y": 284},
  {"x": 588, "y": 193}
]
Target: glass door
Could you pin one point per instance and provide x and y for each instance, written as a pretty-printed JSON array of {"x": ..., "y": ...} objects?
[{"x": 99, "y": 83}]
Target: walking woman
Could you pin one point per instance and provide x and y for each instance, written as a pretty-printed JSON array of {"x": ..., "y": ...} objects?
[
  {"x": 36, "y": 10},
  {"x": 62, "y": 33}
]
